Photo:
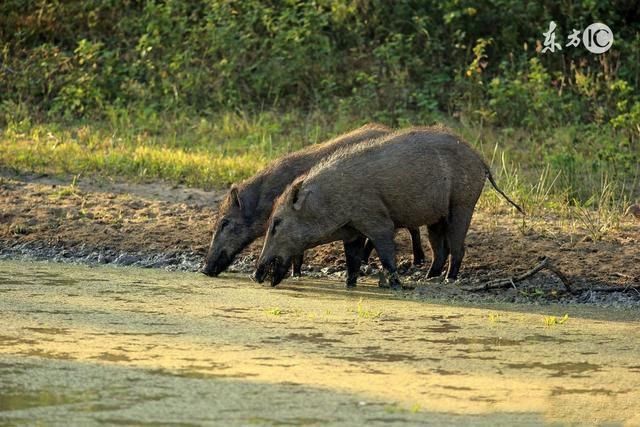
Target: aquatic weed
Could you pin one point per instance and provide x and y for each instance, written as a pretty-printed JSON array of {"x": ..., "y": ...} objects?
[{"x": 274, "y": 311}]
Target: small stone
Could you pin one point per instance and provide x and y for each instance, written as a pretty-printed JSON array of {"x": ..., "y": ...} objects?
[{"x": 329, "y": 270}]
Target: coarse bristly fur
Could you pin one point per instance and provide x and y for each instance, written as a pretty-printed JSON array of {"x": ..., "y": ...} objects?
[
  {"x": 417, "y": 176},
  {"x": 243, "y": 214}
]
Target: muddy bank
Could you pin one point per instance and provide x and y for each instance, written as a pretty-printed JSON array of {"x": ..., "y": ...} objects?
[{"x": 162, "y": 226}]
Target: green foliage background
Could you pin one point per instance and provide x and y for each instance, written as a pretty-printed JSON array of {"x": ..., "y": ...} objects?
[
  {"x": 387, "y": 57},
  {"x": 473, "y": 62}
]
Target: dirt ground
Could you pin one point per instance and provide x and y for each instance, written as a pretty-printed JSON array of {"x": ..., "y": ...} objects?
[{"x": 110, "y": 222}]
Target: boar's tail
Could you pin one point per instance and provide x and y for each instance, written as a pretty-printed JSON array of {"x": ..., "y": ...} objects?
[{"x": 490, "y": 178}]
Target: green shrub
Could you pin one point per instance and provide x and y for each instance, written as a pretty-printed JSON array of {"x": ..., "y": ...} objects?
[{"x": 384, "y": 59}]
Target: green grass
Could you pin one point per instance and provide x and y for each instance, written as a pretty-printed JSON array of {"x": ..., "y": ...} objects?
[
  {"x": 550, "y": 321},
  {"x": 201, "y": 152},
  {"x": 585, "y": 174}
]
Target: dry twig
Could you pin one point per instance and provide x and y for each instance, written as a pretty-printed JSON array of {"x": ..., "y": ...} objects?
[{"x": 511, "y": 281}]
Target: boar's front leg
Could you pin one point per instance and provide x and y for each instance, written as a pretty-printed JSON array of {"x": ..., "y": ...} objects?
[
  {"x": 382, "y": 238},
  {"x": 353, "y": 252},
  {"x": 387, "y": 253},
  {"x": 297, "y": 265}
]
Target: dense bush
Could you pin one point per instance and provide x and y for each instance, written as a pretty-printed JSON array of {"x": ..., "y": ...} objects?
[{"x": 477, "y": 58}]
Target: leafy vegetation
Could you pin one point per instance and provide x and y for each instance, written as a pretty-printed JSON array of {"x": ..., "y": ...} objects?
[{"x": 207, "y": 92}]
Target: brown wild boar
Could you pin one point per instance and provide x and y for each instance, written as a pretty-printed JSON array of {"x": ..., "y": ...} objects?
[
  {"x": 414, "y": 177},
  {"x": 244, "y": 213}
]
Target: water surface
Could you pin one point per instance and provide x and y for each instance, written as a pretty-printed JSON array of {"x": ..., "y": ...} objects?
[{"x": 132, "y": 346}]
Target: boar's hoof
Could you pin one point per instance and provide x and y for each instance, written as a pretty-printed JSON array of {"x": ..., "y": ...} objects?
[
  {"x": 394, "y": 281},
  {"x": 382, "y": 281},
  {"x": 352, "y": 281}
]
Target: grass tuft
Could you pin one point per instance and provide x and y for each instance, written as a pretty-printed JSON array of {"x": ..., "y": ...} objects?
[
  {"x": 365, "y": 312},
  {"x": 550, "y": 321}
]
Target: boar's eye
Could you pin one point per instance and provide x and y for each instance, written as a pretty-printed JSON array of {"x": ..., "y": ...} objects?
[
  {"x": 223, "y": 224},
  {"x": 275, "y": 223}
]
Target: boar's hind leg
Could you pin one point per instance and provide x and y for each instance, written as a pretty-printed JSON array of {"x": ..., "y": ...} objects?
[
  {"x": 439, "y": 247},
  {"x": 353, "y": 253},
  {"x": 459, "y": 221},
  {"x": 297, "y": 265},
  {"x": 416, "y": 244}
]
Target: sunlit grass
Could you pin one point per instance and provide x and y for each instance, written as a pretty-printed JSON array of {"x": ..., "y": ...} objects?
[
  {"x": 206, "y": 153},
  {"x": 142, "y": 160},
  {"x": 219, "y": 149}
]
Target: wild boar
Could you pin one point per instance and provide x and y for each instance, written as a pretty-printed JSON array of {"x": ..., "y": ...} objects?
[
  {"x": 414, "y": 177},
  {"x": 244, "y": 213}
]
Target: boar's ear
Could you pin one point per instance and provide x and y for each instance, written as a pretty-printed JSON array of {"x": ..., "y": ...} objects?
[
  {"x": 299, "y": 195},
  {"x": 235, "y": 197}
]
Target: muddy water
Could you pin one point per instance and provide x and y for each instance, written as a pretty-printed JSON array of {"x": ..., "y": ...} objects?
[{"x": 132, "y": 346}]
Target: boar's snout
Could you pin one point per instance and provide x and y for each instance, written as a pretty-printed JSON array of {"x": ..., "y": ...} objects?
[
  {"x": 215, "y": 265},
  {"x": 276, "y": 267},
  {"x": 260, "y": 273}
]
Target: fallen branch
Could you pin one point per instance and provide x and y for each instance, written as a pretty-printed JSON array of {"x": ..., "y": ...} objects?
[
  {"x": 511, "y": 281},
  {"x": 546, "y": 263},
  {"x": 564, "y": 279}
]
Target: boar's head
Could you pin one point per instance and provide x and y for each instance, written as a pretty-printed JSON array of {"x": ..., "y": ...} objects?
[
  {"x": 296, "y": 224},
  {"x": 233, "y": 231}
]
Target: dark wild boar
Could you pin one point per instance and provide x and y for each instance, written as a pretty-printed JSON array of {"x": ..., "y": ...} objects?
[
  {"x": 415, "y": 177},
  {"x": 244, "y": 213}
]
